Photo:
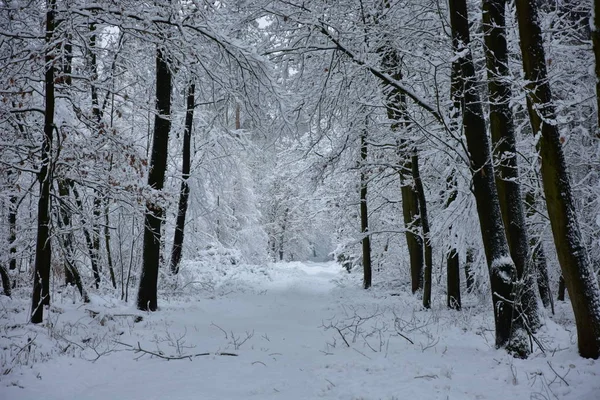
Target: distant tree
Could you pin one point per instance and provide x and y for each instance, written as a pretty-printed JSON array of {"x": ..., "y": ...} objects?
[
  {"x": 184, "y": 191},
  {"x": 364, "y": 211}
]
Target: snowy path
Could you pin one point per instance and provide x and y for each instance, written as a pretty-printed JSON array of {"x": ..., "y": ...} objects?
[{"x": 290, "y": 355}]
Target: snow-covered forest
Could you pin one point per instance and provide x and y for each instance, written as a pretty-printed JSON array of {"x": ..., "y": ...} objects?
[{"x": 353, "y": 199}]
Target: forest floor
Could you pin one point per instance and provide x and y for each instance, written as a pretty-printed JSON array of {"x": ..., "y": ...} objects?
[{"x": 298, "y": 331}]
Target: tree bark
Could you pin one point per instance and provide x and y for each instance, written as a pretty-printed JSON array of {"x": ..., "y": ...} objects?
[
  {"x": 72, "y": 276},
  {"x": 425, "y": 227},
  {"x": 507, "y": 173},
  {"x": 561, "y": 289},
  {"x": 540, "y": 265},
  {"x": 109, "y": 259},
  {"x": 469, "y": 275},
  {"x": 43, "y": 253},
  {"x": 452, "y": 260},
  {"x": 12, "y": 232},
  {"x": 5, "y": 281},
  {"x": 510, "y": 333},
  {"x": 184, "y": 191},
  {"x": 282, "y": 234},
  {"x": 147, "y": 296},
  {"x": 364, "y": 214},
  {"x": 89, "y": 241},
  {"x": 396, "y": 112},
  {"x": 572, "y": 255}
]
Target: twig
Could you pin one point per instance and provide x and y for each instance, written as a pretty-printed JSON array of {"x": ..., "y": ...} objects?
[
  {"x": 342, "y": 335},
  {"x": 139, "y": 349},
  {"x": 411, "y": 342},
  {"x": 561, "y": 378},
  {"x": 426, "y": 377},
  {"x": 221, "y": 329}
]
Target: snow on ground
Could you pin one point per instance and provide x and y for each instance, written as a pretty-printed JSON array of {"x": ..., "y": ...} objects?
[{"x": 299, "y": 330}]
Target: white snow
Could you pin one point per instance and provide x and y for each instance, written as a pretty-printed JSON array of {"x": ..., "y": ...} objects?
[{"x": 295, "y": 319}]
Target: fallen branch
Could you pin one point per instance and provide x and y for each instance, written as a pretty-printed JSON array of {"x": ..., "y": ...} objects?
[
  {"x": 139, "y": 349},
  {"x": 94, "y": 314},
  {"x": 342, "y": 335},
  {"x": 561, "y": 378}
]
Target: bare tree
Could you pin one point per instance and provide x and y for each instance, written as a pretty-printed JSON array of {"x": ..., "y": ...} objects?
[
  {"x": 184, "y": 191},
  {"x": 147, "y": 296},
  {"x": 502, "y": 129},
  {"x": 577, "y": 271},
  {"x": 43, "y": 253}
]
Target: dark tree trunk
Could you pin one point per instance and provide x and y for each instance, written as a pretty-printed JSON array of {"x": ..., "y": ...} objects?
[
  {"x": 5, "y": 281},
  {"x": 453, "y": 284},
  {"x": 469, "y": 265},
  {"x": 452, "y": 260},
  {"x": 561, "y": 289},
  {"x": 425, "y": 226},
  {"x": 596, "y": 42},
  {"x": 412, "y": 225},
  {"x": 364, "y": 215},
  {"x": 539, "y": 259},
  {"x": 282, "y": 234},
  {"x": 147, "y": 296},
  {"x": 509, "y": 330},
  {"x": 572, "y": 254},
  {"x": 541, "y": 268},
  {"x": 72, "y": 276},
  {"x": 504, "y": 142},
  {"x": 12, "y": 232},
  {"x": 396, "y": 111},
  {"x": 184, "y": 192},
  {"x": 109, "y": 259},
  {"x": 43, "y": 253}
]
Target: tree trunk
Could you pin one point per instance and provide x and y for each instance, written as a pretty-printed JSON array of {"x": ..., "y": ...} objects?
[
  {"x": 147, "y": 296},
  {"x": 89, "y": 241},
  {"x": 396, "y": 111},
  {"x": 595, "y": 25},
  {"x": 72, "y": 276},
  {"x": 364, "y": 215},
  {"x": 453, "y": 277},
  {"x": 184, "y": 191},
  {"x": 425, "y": 226},
  {"x": 509, "y": 330},
  {"x": 12, "y": 232},
  {"x": 469, "y": 264},
  {"x": 282, "y": 233},
  {"x": 541, "y": 268},
  {"x": 412, "y": 225},
  {"x": 43, "y": 253},
  {"x": 452, "y": 260},
  {"x": 94, "y": 246},
  {"x": 5, "y": 281},
  {"x": 504, "y": 143},
  {"x": 561, "y": 289},
  {"x": 539, "y": 259},
  {"x": 572, "y": 255},
  {"x": 109, "y": 259}
]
